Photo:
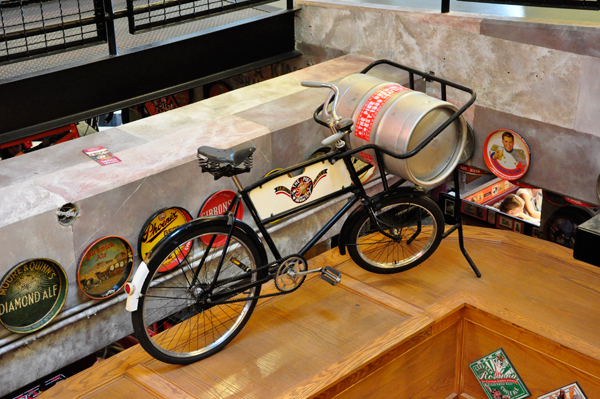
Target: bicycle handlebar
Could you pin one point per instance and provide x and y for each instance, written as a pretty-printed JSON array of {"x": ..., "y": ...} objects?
[
  {"x": 330, "y": 120},
  {"x": 310, "y": 83}
]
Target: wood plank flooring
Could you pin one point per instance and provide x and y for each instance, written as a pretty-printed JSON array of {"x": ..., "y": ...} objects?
[{"x": 320, "y": 340}]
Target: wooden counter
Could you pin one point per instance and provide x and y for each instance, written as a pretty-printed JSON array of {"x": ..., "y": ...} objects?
[{"x": 409, "y": 335}]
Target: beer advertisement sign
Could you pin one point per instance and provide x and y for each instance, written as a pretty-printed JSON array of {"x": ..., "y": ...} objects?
[
  {"x": 31, "y": 295},
  {"x": 105, "y": 267},
  {"x": 158, "y": 226},
  {"x": 498, "y": 377}
]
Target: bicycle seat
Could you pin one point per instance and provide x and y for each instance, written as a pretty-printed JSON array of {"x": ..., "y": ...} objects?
[{"x": 230, "y": 156}]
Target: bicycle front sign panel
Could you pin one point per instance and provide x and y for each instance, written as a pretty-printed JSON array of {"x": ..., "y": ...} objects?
[
  {"x": 197, "y": 307},
  {"x": 285, "y": 193}
]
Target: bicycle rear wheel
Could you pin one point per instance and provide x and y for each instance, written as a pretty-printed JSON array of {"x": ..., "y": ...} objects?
[
  {"x": 177, "y": 320},
  {"x": 410, "y": 230}
]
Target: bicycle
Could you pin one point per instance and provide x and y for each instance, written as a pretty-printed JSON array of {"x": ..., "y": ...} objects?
[{"x": 205, "y": 301}]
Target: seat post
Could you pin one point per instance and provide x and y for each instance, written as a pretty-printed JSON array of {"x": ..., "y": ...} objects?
[{"x": 237, "y": 183}]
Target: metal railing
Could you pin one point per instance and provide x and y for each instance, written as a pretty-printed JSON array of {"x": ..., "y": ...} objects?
[
  {"x": 572, "y": 4},
  {"x": 38, "y": 27}
]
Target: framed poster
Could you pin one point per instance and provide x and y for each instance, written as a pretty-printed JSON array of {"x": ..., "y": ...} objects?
[
  {"x": 504, "y": 222},
  {"x": 518, "y": 227}
]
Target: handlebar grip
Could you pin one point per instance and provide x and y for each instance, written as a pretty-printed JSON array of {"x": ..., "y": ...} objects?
[
  {"x": 310, "y": 83},
  {"x": 332, "y": 139}
]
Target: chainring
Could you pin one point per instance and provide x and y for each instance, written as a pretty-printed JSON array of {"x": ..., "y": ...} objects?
[{"x": 286, "y": 279}]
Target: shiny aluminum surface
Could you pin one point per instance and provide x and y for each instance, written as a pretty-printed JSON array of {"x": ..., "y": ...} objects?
[{"x": 404, "y": 121}]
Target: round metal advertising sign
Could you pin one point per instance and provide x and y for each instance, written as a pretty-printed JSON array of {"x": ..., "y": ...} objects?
[
  {"x": 104, "y": 267},
  {"x": 31, "y": 295},
  {"x": 217, "y": 204},
  {"x": 554, "y": 199},
  {"x": 579, "y": 202},
  {"x": 506, "y": 154},
  {"x": 159, "y": 225}
]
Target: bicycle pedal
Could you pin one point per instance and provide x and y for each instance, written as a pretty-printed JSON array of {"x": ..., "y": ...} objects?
[{"x": 331, "y": 275}]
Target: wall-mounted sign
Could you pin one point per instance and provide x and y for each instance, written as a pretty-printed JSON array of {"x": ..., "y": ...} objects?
[
  {"x": 554, "y": 199},
  {"x": 506, "y": 154},
  {"x": 498, "y": 377},
  {"x": 105, "y": 267},
  {"x": 159, "y": 225},
  {"x": 31, "y": 295},
  {"x": 579, "y": 203},
  {"x": 218, "y": 203},
  {"x": 571, "y": 391}
]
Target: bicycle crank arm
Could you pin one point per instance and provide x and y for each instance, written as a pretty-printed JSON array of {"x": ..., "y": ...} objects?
[{"x": 328, "y": 274}]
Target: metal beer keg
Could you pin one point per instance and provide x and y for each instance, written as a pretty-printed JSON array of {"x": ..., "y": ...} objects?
[{"x": 399, "y": 119}]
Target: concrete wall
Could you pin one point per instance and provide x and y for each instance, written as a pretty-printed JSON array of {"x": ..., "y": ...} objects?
[
  {"x": 540, "y": 79},
  {"x": 158, "y": 169}
]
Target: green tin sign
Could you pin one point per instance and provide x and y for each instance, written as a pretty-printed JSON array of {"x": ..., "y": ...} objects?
[
  {"x": 498, "y": 377},
  {"x": 31, "y": 295}
]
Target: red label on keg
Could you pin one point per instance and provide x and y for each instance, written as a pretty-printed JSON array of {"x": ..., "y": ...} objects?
[{"x": 364, "y": 122}]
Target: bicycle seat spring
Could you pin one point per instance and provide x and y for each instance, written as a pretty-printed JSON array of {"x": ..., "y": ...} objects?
[{"x": 249, "y": 162}]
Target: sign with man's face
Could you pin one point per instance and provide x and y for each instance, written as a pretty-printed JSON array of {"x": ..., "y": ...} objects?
[{"x": 506, "y": 154}]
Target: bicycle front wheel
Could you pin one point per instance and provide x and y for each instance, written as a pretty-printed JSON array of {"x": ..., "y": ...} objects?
[
  {"x": 180, "y": 319},
  {"x": 405, "y": 232}
]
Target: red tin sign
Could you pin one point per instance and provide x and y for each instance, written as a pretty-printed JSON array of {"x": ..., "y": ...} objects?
[{"x": 506, "y": 154}]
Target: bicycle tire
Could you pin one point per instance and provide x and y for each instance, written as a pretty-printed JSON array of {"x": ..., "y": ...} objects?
[
  {"x": 171, "y": 322},
  {"x": 399, "y": 216}
]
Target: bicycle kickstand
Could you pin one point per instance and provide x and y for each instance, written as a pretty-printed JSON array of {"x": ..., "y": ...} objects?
[{"x": 459, "y": 226}]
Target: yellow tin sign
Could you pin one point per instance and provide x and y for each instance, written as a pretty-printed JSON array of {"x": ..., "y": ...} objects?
[{"x": 159, "y": 226}]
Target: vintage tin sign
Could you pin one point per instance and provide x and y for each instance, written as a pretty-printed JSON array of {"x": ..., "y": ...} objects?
[
  {"x": 159, "y": 225},
  {"x": 104, "y": 267},
  {"x": 31, "y": 295},
  {"x": 554, "y": 199},
  {"x": 498, "y": 377},
  {"x": 579, "y": 203},
  {"x": 506, "y": 154},
  {"x": 217, "y": 204},
  {"x": 571, "y": 391}
]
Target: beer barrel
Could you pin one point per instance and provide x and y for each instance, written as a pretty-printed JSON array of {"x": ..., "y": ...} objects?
[{"x": 399, "y": 119}]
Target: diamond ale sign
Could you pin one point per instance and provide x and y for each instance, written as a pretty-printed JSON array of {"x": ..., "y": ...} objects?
[{"x": 31, "y": 295}]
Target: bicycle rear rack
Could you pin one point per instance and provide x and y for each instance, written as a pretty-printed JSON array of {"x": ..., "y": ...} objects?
[{"x": 444, "y": 83}]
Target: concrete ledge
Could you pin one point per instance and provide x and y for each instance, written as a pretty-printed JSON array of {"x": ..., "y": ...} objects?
[{"x": 158, "y": 169}]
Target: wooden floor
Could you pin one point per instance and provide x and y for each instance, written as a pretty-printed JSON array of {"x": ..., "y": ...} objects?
[{"x": 533, "y": 300}]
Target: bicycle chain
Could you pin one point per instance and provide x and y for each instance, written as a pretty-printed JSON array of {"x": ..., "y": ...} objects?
[{"x": 235, "y": 278}]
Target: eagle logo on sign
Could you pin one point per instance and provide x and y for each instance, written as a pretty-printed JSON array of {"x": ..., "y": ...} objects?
[{"x": 302, "y": 187}]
